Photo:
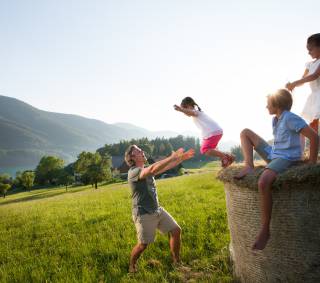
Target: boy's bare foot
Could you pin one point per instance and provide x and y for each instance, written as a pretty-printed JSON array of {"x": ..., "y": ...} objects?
[
  {"x": 261, "y": 240},
  {"x": 244, "y": 172}
]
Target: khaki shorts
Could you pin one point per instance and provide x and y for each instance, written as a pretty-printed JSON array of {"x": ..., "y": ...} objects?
[{"x": 147, "y": 224}]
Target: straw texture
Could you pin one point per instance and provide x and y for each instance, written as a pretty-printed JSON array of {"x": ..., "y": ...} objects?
[{"x": 293, "y": 251}]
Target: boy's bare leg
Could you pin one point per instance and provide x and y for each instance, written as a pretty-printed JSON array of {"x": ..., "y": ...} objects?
[
  {"x": 249, "y": 140},
  {"x": 265, "y": 184},
  {"x": 135, "y": 254},
  {"x": 175, "y": 242}
]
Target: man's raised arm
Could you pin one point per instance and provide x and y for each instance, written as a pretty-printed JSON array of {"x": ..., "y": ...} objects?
[
  {"x": 185, "y": 156},
  {"x": 165, "y": 164}
]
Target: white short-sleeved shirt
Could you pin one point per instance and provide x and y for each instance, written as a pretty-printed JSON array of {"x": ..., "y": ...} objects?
[
  {"x": 312, "y": 67},
  {"x": 311, "y": 108},
  {"x": 207, "y": 126}
]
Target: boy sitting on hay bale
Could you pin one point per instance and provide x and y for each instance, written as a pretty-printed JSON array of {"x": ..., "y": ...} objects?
[{"x": 285, "y": 152}]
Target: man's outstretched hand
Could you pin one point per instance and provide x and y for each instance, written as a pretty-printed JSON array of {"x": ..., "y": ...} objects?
[
  {"x": 177, "y": 154},
  {"x": 182, "y": 155},
  {"x": 188, "y": 154}
]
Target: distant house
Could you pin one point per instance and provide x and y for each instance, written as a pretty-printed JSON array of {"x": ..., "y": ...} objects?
[
  {"x": 169, "y": 173},
  {"x": 118, "y": 163},
  {"x": 77, "y": 178}
]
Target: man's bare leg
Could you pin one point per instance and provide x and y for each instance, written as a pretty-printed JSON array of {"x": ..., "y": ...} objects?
[
  {"x": 249, "y": 140},
  {"x": 265, "y": 184},
  {"x": 175, "y": 242},
  {"x": 135, "y": 254}
]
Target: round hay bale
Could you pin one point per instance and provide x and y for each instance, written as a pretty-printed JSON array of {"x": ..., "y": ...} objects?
[{"x": 293, "y": 251}]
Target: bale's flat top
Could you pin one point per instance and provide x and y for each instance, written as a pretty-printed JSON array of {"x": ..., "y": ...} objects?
[{"x": 295, "y": 177}]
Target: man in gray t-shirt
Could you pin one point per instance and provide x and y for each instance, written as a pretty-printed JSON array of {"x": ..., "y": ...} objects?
[
  {"x": 144, "y": 193},
  {"x": 147, "y": 214}
]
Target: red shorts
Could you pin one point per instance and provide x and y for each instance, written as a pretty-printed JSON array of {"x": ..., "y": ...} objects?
[{"x": 210, "y": 143}]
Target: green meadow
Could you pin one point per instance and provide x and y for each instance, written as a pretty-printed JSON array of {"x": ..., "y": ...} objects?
[{"x": 86, "y": 235}]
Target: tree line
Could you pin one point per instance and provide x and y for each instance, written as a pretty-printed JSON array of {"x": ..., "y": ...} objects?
[
  {"x": 163, "y": 147},
  {"x": 95, "y": 167},
  {"x": 155, "y": 147}
]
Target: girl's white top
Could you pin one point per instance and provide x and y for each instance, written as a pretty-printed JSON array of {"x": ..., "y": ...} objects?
[
  {"x": 207, "y": 126},
  {"x": 311, "y": 109}
]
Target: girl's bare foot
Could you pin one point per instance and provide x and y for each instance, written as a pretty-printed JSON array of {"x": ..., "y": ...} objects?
[
  {"x": 231, "y": 159},
  {"x": 227, "y": 160},
  {"x": 261, "y": 240},
  {"x": 244, "y": 172},
  {"x": 224, "y": 161}
]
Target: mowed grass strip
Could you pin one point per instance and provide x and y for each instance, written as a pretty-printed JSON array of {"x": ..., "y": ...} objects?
[{"x": 86, "y": 235}]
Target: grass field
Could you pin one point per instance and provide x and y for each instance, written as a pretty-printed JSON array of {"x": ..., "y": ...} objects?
[{"x": 86, "y": 235}]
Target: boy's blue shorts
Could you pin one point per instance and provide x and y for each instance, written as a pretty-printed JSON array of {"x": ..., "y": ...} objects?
[{"x": 277, "y": 165}]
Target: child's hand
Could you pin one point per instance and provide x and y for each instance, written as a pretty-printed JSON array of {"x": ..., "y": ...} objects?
[
  {"x": 290, "y": 86},
  {"x": 177, "y": 107}
]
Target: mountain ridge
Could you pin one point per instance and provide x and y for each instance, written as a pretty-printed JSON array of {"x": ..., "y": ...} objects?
[
  {"x": 28, "y": 133},
  {"x": 32, "y": 132}
]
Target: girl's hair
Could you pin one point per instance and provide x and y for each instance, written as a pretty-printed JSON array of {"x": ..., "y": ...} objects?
[
  {"x": 281, "y": 99},
  {"x": 189, "y": 101},
  {"x": 314, "y": 39},
  {"x": 128, "y": 155}
]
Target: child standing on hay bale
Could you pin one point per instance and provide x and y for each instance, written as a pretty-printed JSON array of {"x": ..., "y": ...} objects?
[
  {"x": 286, "y": 151},
  {"x": 210, "y": 130},
  {"x": 311, "y": 110}
]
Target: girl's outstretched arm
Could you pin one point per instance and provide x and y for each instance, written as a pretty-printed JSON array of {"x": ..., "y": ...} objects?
[
  {"x": 305, "y": 78},
  {"x": 188, "y": 112}
]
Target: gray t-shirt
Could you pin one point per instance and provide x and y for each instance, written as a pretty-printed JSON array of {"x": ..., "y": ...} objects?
[{"x": 144, "y": 192}]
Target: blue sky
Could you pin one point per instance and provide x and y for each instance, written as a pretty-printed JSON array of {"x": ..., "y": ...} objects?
[{"x": 130, "y": 61}]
